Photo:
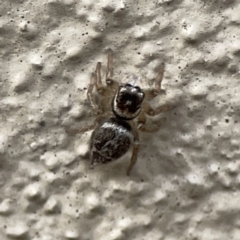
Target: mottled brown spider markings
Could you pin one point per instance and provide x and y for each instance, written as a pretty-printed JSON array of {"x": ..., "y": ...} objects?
[{"x": 116, "y": 127}]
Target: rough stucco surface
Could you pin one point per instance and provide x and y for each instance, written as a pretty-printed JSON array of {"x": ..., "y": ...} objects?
[{"x": 186, "y": 183}]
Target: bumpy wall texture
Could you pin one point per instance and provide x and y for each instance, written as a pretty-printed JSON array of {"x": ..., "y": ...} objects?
[{"x": 185, "y": 185}]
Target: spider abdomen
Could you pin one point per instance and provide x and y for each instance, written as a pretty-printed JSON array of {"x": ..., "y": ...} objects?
[{"x": 110, "y": 140}]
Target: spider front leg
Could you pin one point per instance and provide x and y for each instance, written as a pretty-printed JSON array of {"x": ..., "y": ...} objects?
[
  {"x": 105, "y": 91},
  {"x": 95, "y": 81},
  {"x": 153, "y": 92},
  {"x": 73, "y": 131},
  {"x": 109, "y": 74},
  {"x": 112, "y": 84},
  {"x": 148, "y": 110},
  {"x": 90, "y": 93},
  {"x": 98, "y": 82},
  {"x": 141, "y": 123}
]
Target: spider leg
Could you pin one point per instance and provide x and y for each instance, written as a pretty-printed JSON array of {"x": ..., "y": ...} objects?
[
  {"x": 98, "y": 120},
  {"x": 135, "y": 149},
  {"x": 146, "y": 108},
  {"x": 142, "y": 126},
  {"x": 90, "y": 92},
  {"x": 153, "y": 92},
  {"x": 112, "y": 84},
  {"x": 109, "y": 73},
  {"x": 111, "y": 87},
  {"x": 72, "y": 131},
  {"x": 98, "y": 83}
]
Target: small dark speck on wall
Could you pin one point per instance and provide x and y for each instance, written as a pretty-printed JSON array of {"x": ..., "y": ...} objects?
[{"x": 42, "y": 123}]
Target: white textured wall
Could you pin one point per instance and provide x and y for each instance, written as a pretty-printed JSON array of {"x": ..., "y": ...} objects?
[{"x": 186, "y": 183}]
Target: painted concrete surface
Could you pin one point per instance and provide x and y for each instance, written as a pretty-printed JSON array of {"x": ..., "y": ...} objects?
[{"x": 185, "y": 185}]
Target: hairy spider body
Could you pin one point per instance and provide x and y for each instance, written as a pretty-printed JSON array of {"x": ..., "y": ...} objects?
[
  {"x": 117, "y": 130},
  {"x": 110, "y": 140}
]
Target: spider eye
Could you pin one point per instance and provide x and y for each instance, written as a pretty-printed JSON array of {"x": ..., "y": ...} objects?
[
  {"x": 138, "y": 89},
  {"x": 128, "y": 85}
]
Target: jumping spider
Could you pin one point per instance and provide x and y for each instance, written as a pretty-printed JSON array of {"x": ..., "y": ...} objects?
[{"x": 115, "y": 131}]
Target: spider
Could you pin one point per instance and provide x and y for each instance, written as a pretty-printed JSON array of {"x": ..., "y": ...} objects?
[{"x": 116, "y": 127}]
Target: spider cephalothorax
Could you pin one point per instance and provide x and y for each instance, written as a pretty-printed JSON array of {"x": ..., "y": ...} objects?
[{"x": 127, "y": 102}]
